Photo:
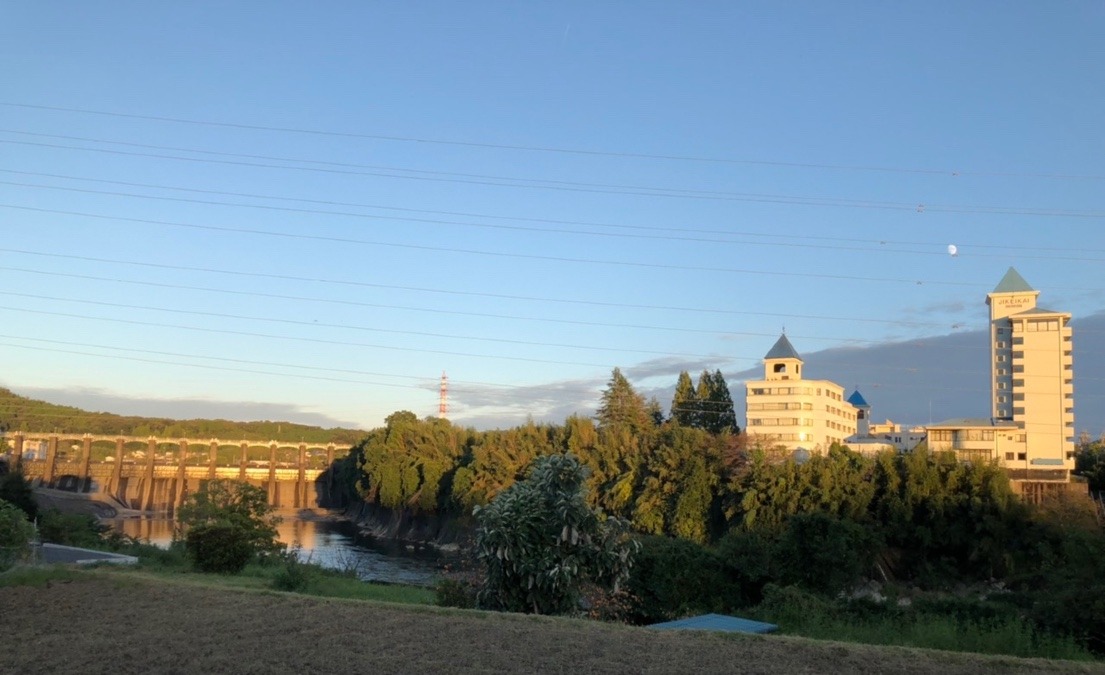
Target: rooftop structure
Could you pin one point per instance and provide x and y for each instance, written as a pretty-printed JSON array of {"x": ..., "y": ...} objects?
[{"x": 785, "y": 410}]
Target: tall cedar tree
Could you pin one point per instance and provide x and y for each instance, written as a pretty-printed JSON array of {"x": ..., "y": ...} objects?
[
  {"x": 622, "y": 407},
  {"x": 707, "y": 407},
  {"x": 725, "y": 417},
  {"x": 684, "y": 405}
]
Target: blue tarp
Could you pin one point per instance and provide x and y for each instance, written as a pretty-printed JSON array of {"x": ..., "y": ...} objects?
[{"x": 718, "y": 622}]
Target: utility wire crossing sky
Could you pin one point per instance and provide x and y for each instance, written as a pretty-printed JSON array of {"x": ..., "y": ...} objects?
[{"x": 309, "y": 214}]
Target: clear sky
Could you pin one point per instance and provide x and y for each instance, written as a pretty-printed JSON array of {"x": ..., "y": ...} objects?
[{"x": 309, "y": 211}]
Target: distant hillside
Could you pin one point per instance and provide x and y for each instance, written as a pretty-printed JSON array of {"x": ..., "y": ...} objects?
[{"x": 19, "y": 413}]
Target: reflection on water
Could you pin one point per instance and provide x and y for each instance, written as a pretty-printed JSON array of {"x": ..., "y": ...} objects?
[{"x": 331, "y": 543}]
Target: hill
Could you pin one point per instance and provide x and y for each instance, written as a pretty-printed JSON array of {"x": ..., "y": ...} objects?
[
  {"x": 19, "y": 413},
  {"x": 142, "y": 625}
]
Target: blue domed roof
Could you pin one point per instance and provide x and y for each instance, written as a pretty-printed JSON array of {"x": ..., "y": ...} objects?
[{"x": 857, "y": 400}]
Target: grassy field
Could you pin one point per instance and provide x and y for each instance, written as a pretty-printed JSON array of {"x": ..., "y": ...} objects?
[{"x": 110, "y": 622}]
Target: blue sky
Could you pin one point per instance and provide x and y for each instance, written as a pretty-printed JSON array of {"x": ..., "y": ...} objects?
[{"x": 304, "y": 213}]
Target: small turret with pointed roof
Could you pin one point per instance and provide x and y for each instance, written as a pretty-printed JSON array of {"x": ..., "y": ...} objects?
[
  {"x": 863, "y": 413},
  {"x": 783, "y": 350},
  {"x": 782, "y": 362}
]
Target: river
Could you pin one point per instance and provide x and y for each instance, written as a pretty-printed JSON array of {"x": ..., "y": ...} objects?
[{"x": 325, "y": 540}]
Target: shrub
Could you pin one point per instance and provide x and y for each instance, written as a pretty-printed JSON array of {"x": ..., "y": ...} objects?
[
  {"x": 823, "y": 553},
  {"x": 238, "y": 504},
  {"x": 15, "y": 535},
  {"x": 539, "y": 542},
  {"x": 219, "y": 548},
  {"x": 294, "y": 575},
  {"x": 70, "y": 529},
  {"x": 455, "y": 593},
  {"x": 677, "y": 577},
  {"x": 15, "y": 490},
  {"x": 748, "y": 556}
]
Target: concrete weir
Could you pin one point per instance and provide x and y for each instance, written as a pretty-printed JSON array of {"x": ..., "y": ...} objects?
[{"x": 156, "y": 474}]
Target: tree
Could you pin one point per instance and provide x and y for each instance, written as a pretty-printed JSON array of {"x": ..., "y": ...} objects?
[
  {"x": 724, "y": 418},
  {"x": 224, "y": 518},
  {"x": 622, "y": 406},
  {"x": 684, "y": 405},
  {"x": 715, "y": 404},
  {"x": 15, "y": 490},
  {"x": 539, "y": 542},
  {"x": 15, "y": 535},
  {"x": 1090, "y": 462}
]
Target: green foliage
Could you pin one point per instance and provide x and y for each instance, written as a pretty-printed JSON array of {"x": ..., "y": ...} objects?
[
  {"x": 716, "y": 413},
  {"x": 1063, "y": 590},
  {"x": 15, "y": 489},
  {"x": 964, "y": 626},
  {"x": 15, "y": 535},
  {"x": 677, "y": 479},
  {"x": 70, "y": 529},
  {"x": 232, "y": 504},
  {"x": 823, "y": 553},
  {"x": 684, "y": 404},
  {"x": 539, "y": 542},
  {"x": 407, "y": 464},
  {"x": 622, "y": 407},
  {"x": 1089, "y": 461},
  {"x": 672, "y": 578},
  {"x": 455, "y": 593},
  {"x": 219, "y": 547},
  {"x": 293, "y": 574},
  {"x": 226, "y": 524}
]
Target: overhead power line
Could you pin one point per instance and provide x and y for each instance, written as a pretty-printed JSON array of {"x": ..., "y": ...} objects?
[
  {"x": 477, "y": 252},
  {"x": 938, "y": 248},
  {"x": 550, "y": 149},
  {"x": 598, "y": 188},
  {"x": 487, "y": 315},
  {"x": 874, "y": 246}
]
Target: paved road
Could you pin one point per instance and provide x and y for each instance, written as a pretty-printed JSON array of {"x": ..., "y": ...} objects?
[{"x": 55, "y": 554}]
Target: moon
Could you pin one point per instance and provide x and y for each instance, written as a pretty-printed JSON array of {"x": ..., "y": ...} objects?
[{"x": 953, "y": 251}]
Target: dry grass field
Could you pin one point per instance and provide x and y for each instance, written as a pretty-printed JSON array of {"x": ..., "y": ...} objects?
[{"x": 102, "y": 622}]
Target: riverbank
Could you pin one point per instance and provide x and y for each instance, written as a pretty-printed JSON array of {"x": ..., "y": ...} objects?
[{"x": 156, "y": 626}]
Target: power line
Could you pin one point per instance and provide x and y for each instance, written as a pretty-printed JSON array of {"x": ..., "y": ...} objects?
[
  {"x": 598, "y": 188},
  {"x": 879, "y": 245},
  {"x": 339, "y": 343},
  {"x": 577, "y": 322},
  {"x": 317, "y": 324},
  {"x": 477, "y": 252},
  {"x": 551, "y": 149}
]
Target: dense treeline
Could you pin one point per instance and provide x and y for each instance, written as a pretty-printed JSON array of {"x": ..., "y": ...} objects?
[
  {"x": 738, "y": 525},
  {"x": 18, "y": 413},
  {"x": 663, "y": 476}
]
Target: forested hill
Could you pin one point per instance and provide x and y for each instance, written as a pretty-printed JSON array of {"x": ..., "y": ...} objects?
[{"x": 18, "y": 413}]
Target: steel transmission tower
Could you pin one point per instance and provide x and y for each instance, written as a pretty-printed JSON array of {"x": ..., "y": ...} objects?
[{"x": 443, "y": 401}]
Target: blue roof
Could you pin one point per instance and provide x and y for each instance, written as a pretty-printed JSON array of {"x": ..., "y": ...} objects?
[
  {"x": 1013, "y": 282},
  {"x": 718, "y": 622},
  {"x": 857, "y": 400},
  {"x": 783, "y": 349}
]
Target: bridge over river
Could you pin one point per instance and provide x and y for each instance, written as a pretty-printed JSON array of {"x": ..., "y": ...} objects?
[{"x": 156, "y": 474}]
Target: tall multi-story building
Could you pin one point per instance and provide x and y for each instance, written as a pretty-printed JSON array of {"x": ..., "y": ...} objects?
[
  {"x": 1031, "y": 429},
  {"x": 783, "y": 409},
  {"x": 1032, "y": 366}
]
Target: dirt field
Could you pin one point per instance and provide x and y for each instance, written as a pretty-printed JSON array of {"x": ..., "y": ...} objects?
[{"x": 113, "y": 623}]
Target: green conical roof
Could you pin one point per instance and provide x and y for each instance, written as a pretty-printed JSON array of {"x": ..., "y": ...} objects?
[
  {"x": 783, "y": 350},
  {"x": 1013, "y": 282}
]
